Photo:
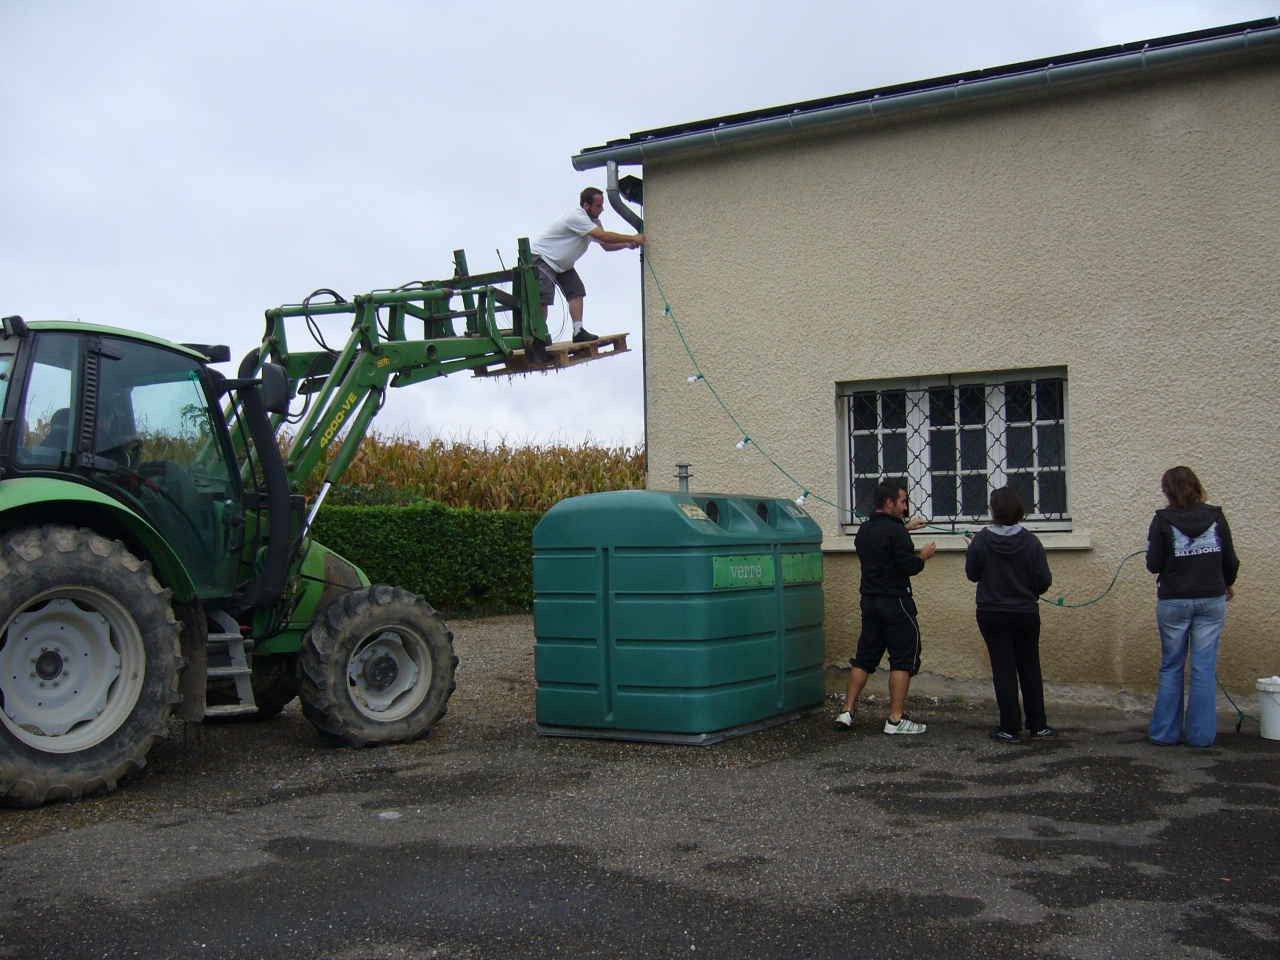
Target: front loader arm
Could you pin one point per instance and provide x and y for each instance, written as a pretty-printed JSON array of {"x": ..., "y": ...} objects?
[{"x": 345, "y": 388}]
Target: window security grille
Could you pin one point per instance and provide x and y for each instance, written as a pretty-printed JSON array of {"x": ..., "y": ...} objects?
[{"x": 956, "y": 442}]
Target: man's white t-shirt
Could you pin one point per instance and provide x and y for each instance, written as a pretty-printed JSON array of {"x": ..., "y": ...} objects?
[{"x": 565, "y": 240}]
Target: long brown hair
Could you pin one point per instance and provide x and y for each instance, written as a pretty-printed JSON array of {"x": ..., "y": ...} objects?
[{"x": 1182, "y": 487}]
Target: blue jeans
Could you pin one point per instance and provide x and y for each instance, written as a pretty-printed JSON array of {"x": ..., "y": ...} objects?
[{"x": 1197, "y": 625}]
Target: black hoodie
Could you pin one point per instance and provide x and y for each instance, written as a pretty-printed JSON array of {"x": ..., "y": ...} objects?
[
  {"x": 1190, "y": 548},
  {"x": 1010, "y": 569}
]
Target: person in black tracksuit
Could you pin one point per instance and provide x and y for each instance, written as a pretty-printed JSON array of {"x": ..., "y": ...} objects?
[
  {"x": 889, "y": 561},
  {"x": 1008, "y": 563}
]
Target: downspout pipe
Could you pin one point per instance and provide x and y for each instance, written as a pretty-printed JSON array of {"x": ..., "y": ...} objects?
[
  {"x": 625, "y": 211},
  {"x": 615, "y": 198},
  {"x": 878, "y": 106}
]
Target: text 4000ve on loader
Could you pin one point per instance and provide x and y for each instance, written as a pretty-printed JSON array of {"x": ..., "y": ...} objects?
[{"x": 154, "y": 554}]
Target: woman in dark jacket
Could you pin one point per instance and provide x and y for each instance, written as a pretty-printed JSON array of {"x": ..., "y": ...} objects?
[
  {"x": 1189, "y": 547},
  {"x": 1008, "y": 564}
]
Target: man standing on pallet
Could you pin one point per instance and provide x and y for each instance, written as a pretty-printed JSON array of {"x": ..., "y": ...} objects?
[
  {"x": 558, "y": 249},
  {"x": 889, "y": 561}
]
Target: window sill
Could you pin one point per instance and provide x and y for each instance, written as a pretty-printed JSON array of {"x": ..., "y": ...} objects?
[{"x": 954, "y": 543}]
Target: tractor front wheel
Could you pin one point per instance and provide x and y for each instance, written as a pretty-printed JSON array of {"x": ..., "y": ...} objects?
[
  {"x": 376, "y": 666},
  {"x": 89, "y": 664}
]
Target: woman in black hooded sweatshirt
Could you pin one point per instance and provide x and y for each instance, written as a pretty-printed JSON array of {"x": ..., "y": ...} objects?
[
  {"x": 1189, "y": 546},
  {"x": 1008, "y": 564}
]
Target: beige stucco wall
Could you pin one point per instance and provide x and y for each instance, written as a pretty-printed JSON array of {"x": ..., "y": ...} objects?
[{"x": 1128, "y": 232}]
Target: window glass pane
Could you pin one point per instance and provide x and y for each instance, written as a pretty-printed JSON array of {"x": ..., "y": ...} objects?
[
  {"x": 1018, "y": 447},
  {"x": 942, "y": 449},
  {"x": 973, "y": 491},
  {"x": 866, "y": 452},
  {"x": 864, "y": 490},
  {"x": 1049, "y": 447},
  {"x": 942, "y": 406},
  {"x": 1049, "y": 400},
  {"x": 1053, "y": 492},
  {"x": 973, "y": 449},
  {"x": 895, "y": 454},
  {"x": 1025, "y": 487},
  {"x": 6, "y": 367},
  {"x": 44, "y": 422},
  {"x": 1017, "y": 402},
  {"x": 943, "y": 494},
  {"x": 973, "y": 404},
  {"x": 893, "y": 404},
  {"x": 863, "y": 411}
]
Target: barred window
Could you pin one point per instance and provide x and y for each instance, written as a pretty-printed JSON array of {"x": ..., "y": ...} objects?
[{"x": 956, "y": 439}]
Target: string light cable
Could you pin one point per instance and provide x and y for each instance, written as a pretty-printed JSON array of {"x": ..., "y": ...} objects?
[{"x": 745, "y": 439}]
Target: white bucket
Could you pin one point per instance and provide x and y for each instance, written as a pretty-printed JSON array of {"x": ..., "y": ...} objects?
[{"x": 1269, "y": 707}]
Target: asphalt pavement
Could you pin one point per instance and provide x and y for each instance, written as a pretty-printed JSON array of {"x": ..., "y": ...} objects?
[{"x": 488, "y": 841}]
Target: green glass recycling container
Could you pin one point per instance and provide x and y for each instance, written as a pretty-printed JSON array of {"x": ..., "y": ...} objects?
[{"x": 676, "y": 616}]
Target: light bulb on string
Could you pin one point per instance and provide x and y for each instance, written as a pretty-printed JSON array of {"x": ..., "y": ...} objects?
[
  {"x": 800, "y": 499},
  {"x": 742, "y": 444},
  {"x": 695, "y": 378}
]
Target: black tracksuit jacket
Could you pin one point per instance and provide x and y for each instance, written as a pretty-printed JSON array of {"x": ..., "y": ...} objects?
[{"x": 887, "y": 555}]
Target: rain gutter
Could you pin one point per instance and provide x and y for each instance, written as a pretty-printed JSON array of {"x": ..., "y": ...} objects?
[{"x": 878, "y": 106}]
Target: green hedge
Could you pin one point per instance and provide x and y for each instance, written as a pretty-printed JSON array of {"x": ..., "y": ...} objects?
[{"x": 460, "y": 561}]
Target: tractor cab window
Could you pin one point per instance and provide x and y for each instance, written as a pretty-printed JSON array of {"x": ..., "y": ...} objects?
[
  {"x": 44, "y": 423},
  {"x": 158, "y": 438},
  {"x": 6, "y": 370}
]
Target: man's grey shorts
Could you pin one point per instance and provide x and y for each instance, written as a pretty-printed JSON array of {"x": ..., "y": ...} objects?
[{"x": 569, "y": 282}]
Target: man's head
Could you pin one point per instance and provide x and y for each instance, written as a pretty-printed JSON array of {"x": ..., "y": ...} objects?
[
  {"x": 891, "y": 498},
  {"x": 592, "y": 201}
]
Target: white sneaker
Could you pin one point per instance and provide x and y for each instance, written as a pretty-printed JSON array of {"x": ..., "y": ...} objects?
[
  {"x": 845, "y": 720},
  {"x": 905, "y": 725}
]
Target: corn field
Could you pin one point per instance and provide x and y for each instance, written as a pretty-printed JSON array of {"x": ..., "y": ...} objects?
[{"x": 400, "y": 469}]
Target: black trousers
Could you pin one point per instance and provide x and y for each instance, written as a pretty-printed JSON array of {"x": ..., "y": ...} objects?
[{"x": 1013, "y": 643}]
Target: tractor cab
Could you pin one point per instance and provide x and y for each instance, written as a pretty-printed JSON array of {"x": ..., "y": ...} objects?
[{"x": 136, "y": 419}]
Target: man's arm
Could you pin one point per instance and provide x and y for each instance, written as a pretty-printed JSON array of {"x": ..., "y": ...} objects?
[
  {"x": 616, "y": 241},
  {"x": 903, "y": 557}
]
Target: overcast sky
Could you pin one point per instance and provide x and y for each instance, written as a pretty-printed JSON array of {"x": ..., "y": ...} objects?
[{"x": 179, "y": 167}]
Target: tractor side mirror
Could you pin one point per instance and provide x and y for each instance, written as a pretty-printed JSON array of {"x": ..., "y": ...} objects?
[
  {"x": 275, "y": 389},
  {"x": 14, "y": 326}
]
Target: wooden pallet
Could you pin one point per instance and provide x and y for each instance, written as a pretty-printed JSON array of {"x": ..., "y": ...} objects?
[{"x": 559, "y": 356}]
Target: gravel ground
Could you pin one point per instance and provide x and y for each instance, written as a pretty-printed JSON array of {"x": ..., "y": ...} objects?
[{"x": 222, "y": 765}]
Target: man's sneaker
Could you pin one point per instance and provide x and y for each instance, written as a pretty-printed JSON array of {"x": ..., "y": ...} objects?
[
  {"x": 844, "y": 721},
  {"x": 905, "y": 725},
  {"x": 583, "y": 336},
  {"x": 1048, "y": 733},
  {"x": 1003, "y": 736}
]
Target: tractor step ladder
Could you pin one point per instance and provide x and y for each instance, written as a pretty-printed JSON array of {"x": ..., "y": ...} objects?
[
  {"x": 559, "y": 356},
  {"x": 230, "y": 651}
]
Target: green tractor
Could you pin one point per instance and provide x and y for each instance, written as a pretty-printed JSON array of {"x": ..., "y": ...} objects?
[{"x": 154, "y": 550}]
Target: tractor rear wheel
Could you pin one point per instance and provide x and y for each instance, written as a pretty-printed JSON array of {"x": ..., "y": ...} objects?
[
  {"x": 89, "y": 664},
  {"x": 376, "y": 666}
]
